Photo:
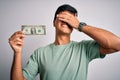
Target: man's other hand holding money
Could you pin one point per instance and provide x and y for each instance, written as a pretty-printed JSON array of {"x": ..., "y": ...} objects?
[{"x": 16, "y": 41}]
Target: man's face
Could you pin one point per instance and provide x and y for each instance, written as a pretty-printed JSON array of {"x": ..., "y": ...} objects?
[{"x": 63, "y": 27}]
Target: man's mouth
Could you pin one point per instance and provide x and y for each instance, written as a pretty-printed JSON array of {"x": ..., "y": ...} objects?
[{"x": 67, "y": 25}]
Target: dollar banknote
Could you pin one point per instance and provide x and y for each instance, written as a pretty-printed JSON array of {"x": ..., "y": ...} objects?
[{"x": 34, "y": 29}]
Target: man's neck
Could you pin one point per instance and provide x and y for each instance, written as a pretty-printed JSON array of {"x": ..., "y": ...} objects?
[{"x": 62, "y": 39}]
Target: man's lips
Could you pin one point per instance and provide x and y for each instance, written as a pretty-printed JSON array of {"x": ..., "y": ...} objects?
[{"x": 66, "y": 25}]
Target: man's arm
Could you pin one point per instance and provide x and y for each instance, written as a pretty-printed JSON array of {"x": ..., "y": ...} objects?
[
  {"x": 16, "y": 70},
  {"x": 108, "y": 41},
  {"x": 16, "y": 41}
]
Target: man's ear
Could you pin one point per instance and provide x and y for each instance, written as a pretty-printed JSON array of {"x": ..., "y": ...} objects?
[{"x": 54, "y": 23}]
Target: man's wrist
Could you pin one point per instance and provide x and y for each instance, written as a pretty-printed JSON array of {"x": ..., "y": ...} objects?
[
  {"x": 17, "y": 52},
  {"x": 81, "y": 25}
]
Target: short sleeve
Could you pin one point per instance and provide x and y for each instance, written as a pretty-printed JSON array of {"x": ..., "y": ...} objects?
[
  {"x": 92, "y": 50},
  {"x": 30, "y": 71}
]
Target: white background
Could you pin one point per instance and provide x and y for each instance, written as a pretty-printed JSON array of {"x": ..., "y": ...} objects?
[{"x": 100, "y": 13}]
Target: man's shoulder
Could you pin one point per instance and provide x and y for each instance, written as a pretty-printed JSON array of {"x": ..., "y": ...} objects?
[{"x": 82, "y": 41}]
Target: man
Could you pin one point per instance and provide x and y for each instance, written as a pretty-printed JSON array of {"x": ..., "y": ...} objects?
[{"x": 64, "y": 59}]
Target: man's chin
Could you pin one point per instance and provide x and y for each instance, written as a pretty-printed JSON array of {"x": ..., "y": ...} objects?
[{"x": 67, "y": 32}]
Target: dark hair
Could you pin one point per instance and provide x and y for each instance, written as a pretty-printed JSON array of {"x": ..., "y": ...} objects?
[{"x": 65, "y": 7}]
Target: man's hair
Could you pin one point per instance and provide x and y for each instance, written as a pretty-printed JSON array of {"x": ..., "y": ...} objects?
[{"x": 65, "y": 7}]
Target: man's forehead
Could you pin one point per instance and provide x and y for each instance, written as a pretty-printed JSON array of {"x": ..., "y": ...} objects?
[{"x": 68, "y": 12}]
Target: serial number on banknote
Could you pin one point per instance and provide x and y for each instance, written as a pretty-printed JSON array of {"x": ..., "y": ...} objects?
[{"x": 33, "y": 29}]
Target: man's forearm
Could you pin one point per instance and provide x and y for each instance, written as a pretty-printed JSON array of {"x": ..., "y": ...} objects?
[
  {"x": 16, "y": 70},
  {"x": 105, "y": 38}
]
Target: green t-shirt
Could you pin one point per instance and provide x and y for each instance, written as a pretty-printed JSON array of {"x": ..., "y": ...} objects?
[{"x": 62, "y": 62}]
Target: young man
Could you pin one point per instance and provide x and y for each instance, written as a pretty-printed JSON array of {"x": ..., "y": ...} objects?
[{"x": 64, "y": 59}]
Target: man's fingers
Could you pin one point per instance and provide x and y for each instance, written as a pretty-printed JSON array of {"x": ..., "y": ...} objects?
[
  {"x": 63, "y": 17},
  {"x": 16, "y": 41},
  {"x": 18, "y": 34},
  {"x": 19, "y": 43},
  {"x": 17, "y": 38},
  {"x": 69, "y": 18}
]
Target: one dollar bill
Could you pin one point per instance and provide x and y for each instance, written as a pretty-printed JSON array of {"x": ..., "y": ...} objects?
[{"x": 34, "y": 29}]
